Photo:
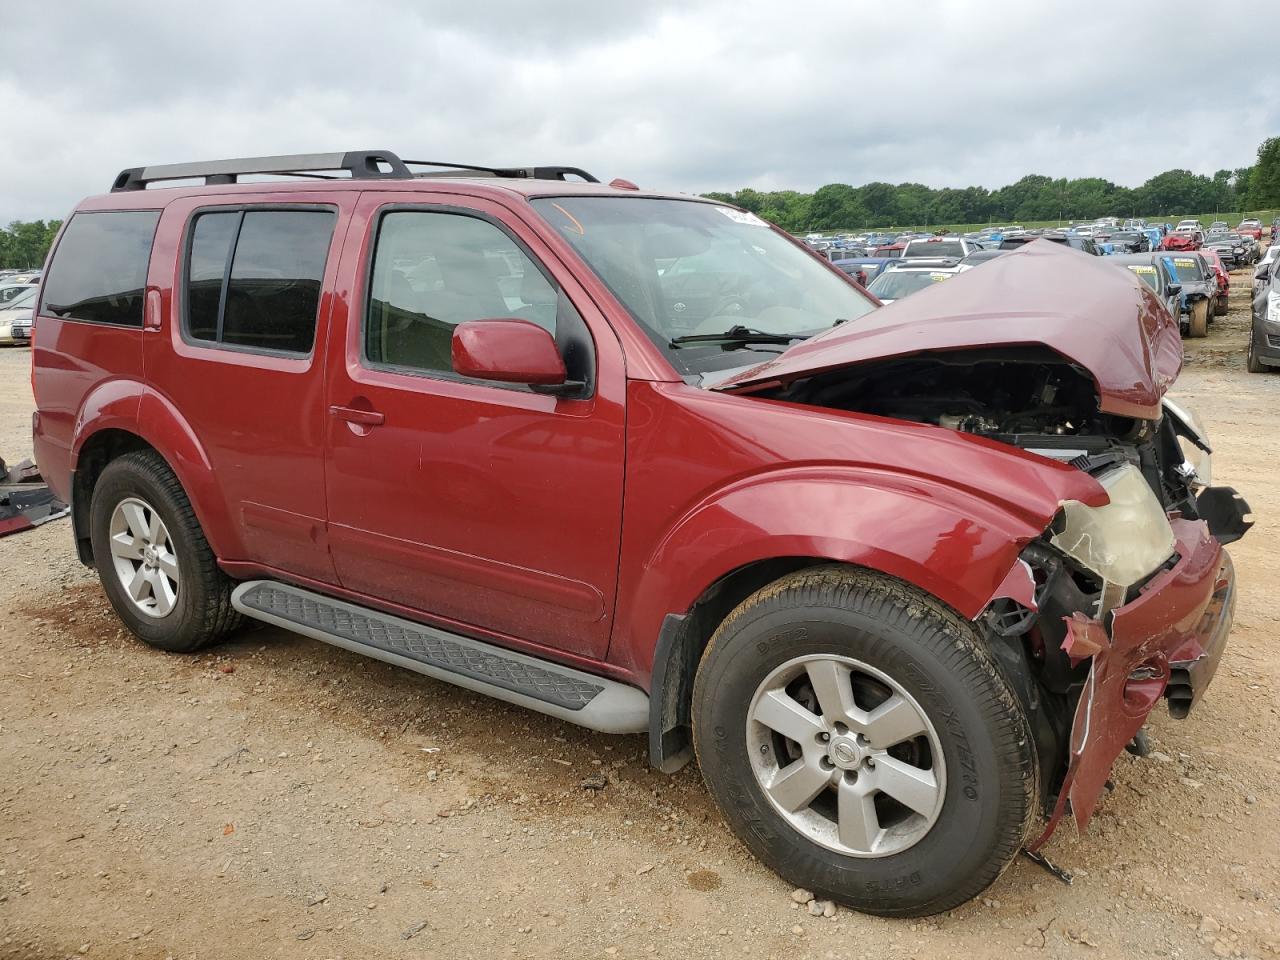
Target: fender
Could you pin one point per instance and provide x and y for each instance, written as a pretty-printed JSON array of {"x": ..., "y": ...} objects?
[
  {"x": 136, "y": 408},
  {"x": 949, "y": 542}
]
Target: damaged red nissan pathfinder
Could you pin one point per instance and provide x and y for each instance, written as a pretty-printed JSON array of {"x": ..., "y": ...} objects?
[{"x": 904, "y": 580}]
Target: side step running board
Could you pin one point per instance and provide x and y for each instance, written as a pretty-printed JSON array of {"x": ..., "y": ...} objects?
[{"x": 582, "y": 698}]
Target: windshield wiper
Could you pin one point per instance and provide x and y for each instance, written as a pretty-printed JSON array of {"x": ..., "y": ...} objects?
[{"x": 738, "y": 334}]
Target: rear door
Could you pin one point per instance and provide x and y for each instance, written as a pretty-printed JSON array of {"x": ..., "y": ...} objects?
[
  {"x": 489, "y": 506},
  {"x": 241, "y": 356}
]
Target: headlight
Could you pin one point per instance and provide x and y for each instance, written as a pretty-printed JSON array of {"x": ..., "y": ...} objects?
[
  {"x": 1124, "y": 541},
  {"x": 1273, "y": 306}
]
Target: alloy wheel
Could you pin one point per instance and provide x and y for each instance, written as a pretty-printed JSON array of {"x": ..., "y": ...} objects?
[
  {"x": 143, "y": 557},
  {"x": 846, "y": 755}
]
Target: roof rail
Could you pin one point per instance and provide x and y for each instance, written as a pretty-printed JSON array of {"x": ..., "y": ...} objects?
[
  {"x": 360, "y": 164},
  {"x": 516, "y": 173}
]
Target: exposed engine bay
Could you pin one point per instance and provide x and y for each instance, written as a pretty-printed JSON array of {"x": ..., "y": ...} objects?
[{"x": 1028, "y": 397}]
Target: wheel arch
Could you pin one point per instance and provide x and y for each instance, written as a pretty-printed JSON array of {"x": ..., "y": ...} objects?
[
  {"x": 950, "y": 546},
  {"x": 124, "y": 417}
]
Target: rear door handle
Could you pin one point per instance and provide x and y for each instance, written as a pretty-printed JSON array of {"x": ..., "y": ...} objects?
[{"x": 366, "y": 418}]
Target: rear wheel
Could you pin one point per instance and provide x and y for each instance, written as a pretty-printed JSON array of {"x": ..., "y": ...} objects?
[
  {"x": 860, "y": 741},
  {"x": 1220, "y": 309},
  {"x": 1198, "y": 325},
  {"x": 152, "y": 557}
]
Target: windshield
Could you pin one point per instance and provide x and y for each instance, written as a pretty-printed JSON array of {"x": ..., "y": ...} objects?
[
  {"x": 896, "y": 284},
  {"x": 1187, "y": 268},
  {"x": 935, "y": 248},
  {"x": 686, "y": 268},
  {"x": 1226, "y": 238},
  {"x": 24, "y": 299},
  {"x": 1148, "y": 275}
]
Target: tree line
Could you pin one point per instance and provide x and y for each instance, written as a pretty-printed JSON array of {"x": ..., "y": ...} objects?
[
  {"x": 25, "y": 244},
  {"x": 1033, "y": 198},
  {"x": 841, "y": 206}
]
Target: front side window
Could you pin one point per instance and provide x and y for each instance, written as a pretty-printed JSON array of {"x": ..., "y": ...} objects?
[
  {"x": 435, "y": 270},
  {"x": 254, "y": 278},
  {"x": 99, "y": 272}
]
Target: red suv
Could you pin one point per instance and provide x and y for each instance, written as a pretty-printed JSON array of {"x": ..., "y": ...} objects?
[{"x": 904, "y": 580}]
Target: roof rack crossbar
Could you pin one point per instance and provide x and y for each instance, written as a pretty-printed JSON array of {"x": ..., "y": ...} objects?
[
  {"x": 516, "y": 173},
  {"x": 359, "y": 164}
]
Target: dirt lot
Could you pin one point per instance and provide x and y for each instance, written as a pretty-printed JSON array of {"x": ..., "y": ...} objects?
[{"x": 278, "y": 797}]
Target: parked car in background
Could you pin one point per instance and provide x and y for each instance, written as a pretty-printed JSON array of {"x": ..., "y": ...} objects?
[
  {"x": 1129, "y": 241},
  {"x": 15, "y": 318},
  {"x": 1251, "y": 227},
  {"x": 938, "y": 248},
  {"x": 982, "y": 256},
  {"x": 1218, "y": 226},
  {"x": 1223, "y": 278},
  {"x": 864, "y": 269},
  {"x": 1199, "y": 292},
  {"x": 1188, "y": 225},
  {"x": 890, "y": 250},
  {"x": 1230, "y": 247},
  {"x": 1264, "y": 328},
  {"x": 1190, "y": 239},
  {"x": 8, "y": 291},
  {"x": 1084, "y": 244},
  {"x": 901, "y": 281},
  {"x": 1157, "y": 274}
]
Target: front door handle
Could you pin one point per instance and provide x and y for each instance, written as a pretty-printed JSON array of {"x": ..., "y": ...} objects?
[{"x": 365, "y": 418}]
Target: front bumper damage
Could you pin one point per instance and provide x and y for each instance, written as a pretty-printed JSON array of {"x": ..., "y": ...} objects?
[{"x": 1166, "y": 642}]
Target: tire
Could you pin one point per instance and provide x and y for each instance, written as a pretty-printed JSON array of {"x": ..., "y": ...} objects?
[
  {"x": 889, "y": 635},
  {"x": 1220, "y": 309},
  {"x": 1198, "y": 326},
  {"x": 1251, "y": 361},
  {"x": 190, "y": 609}
]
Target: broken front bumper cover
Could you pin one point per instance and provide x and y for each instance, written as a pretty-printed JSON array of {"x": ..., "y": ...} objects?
[{"x": 1168, "y": 640}]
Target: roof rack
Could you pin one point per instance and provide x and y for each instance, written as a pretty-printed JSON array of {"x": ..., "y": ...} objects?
[
  {"x": 358, "y": 164},
  {"x": 516, "y": 173}
]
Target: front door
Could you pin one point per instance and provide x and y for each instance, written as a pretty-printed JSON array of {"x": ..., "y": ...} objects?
[{"x": 487, "y": 506}]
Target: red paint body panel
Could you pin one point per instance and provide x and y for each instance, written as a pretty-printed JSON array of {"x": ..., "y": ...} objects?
[
  {"x": 482, "y": 504},
  {"x": 1042, "y": 294},
  {"x": 716, "y": 481}
]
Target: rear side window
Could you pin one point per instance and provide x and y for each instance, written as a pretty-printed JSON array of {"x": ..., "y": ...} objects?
[
  {"x": 99, "y": 272},
  {"x": 254, "y": 277}
]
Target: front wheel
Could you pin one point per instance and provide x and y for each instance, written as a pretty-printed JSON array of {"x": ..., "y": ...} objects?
[
  {"x": 1198, "y": 325},
  {"x": 862, "y": 743}
]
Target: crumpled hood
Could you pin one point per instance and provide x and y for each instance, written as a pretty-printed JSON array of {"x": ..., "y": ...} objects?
[{"x": 1097, "y": 315}]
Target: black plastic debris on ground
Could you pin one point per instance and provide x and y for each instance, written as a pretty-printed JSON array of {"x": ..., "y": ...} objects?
[{"x": 25, "y": 501}]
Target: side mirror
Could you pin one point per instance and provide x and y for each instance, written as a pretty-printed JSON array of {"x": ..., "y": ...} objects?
[
  {"x": 1175, "y": 289},
  {"x": 507, "y": 350}
]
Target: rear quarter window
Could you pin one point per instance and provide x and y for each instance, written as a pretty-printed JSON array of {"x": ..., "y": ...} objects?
[{"x": 99, "y": 271}]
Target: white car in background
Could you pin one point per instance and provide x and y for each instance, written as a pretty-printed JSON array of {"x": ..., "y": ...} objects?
[
  {"x": 902, "y": 281},
  {"x": 15, "y": 318},
  {"x": 9, "y": 290}
]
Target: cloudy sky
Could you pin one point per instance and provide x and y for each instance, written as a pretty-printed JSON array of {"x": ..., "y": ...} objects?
[{"x": 692, "y": 96}]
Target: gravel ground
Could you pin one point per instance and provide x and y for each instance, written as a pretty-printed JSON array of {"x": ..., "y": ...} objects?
[{"x": 279, "y": 797}]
